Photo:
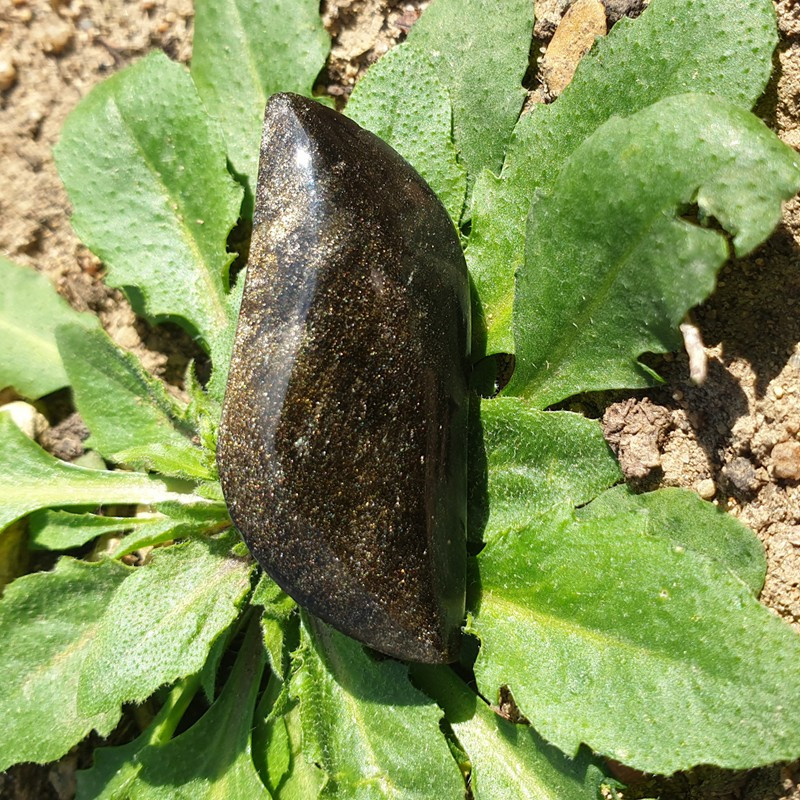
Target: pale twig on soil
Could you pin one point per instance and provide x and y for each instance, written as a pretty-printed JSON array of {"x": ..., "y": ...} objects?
[{"x": 693, "y": 342}]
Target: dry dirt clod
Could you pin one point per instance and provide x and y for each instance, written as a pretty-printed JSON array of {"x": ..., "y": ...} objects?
[
  {"x": 789, "y": 17},
  {"x": 741, "y": 475},
  {"x": 65, "y": 440},
  {"x": 636, "y": 433},
  {"x": 786, "y": 460},
  {"x": 547, "y": 15},
  {"x": 581, "y": 25},
  {"x": 617, "y": 9},
  {"x": 354, "y": 42}
]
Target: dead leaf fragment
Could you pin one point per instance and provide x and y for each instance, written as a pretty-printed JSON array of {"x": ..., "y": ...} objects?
[{"x": 580, "y": 26}]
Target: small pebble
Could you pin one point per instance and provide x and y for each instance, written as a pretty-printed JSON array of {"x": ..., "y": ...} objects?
[
  {"x": 706, "y": 489},
  {"x": 56, "y": 38},
  {"x": 91, "y": 459},
  {"x": 786, "y": 460},
  {"x": 778, "y": 391},
  {"x": 8, "y": 73},
  {"x": 26, "y": 418}
]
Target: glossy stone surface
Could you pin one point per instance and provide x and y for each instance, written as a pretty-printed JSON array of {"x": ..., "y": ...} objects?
[{"x": 342, "y": 448}]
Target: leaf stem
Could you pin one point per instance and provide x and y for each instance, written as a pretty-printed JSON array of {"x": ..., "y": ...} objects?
[{"x": 171, "y": 713}]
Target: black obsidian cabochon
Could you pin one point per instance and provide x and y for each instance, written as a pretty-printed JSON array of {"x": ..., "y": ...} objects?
[{"x": 342, "y": 446}]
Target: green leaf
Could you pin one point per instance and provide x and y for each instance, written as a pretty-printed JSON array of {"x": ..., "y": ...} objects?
[
  {"x": 161, "y": 624},
  {"x": 291, "y": 775},
  {"x": 145, "y": 169},
  {"x": 212, "y": 759},
  {"x": 246, "y": 50},
  {"x": 61, "y": 530},
  {"x": 211, "y": 490},
  {"x": 30, "y": 312},
  {"x": 221, "y": 356},
  {"x": 204, "y": 411},
  {"x": 48, "y": 622},
  {"x": 272, "y": 750},
  {"x": 534, "y": 461},
  {"x": 115, "y": 769},
  {"x": 373, "y": 734},
  {"x": 648, "y": 652},
  {"x": 479, "y": 49},
  {"x": 188, "y": 462},
  {"x": 120, "y": 403},
  {"x": 176, "y": 521},
  {"x": 508, "y": 760},
  {"x": 420, "y": 131},
  {"x": 278, "y": 612},
  {"x": 611, "y": 268},
  {"x": 685, "y": 520},
  {"x": 31, "y": 479},
  {"x": 721, "y": 47}
]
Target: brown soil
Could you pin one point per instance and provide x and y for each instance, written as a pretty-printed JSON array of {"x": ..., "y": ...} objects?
[{"x": 734, "y": 440}]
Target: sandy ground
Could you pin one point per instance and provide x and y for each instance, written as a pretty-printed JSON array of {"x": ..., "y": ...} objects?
[{"x": 734, "y": 440}]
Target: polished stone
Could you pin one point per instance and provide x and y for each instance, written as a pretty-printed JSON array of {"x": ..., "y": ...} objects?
[{"x": 342, "y": 447}]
